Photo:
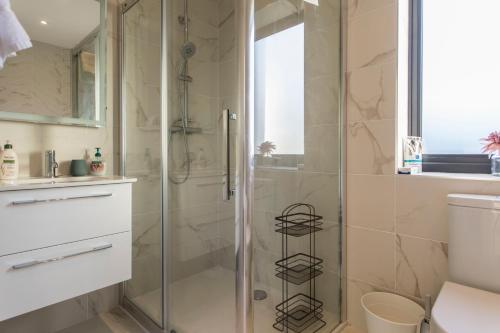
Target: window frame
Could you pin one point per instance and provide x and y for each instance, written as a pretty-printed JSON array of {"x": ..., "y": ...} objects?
[{"x": 451, "y": 163}]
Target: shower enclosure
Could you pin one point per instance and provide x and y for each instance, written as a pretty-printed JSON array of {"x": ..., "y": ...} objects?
[{"x": 231, "y": 112}]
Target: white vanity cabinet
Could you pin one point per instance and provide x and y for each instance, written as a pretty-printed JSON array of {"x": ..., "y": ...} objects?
[{"x": 62, "y": 240}]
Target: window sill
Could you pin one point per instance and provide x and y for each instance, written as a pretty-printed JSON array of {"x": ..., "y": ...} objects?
[
  {"x": 276, "y": 167},
  {"x": 462, "y": 176}
]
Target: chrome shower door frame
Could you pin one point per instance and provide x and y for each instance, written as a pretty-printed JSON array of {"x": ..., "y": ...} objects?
[
  {"x": 245, "y": 165},
  {"x": 127, "y": 304}
]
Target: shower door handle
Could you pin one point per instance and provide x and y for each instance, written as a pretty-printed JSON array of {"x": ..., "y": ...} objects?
[{"x": 227, "y": 116}]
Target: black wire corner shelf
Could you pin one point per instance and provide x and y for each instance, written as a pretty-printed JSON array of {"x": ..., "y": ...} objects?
[
  {"x": 299, "y": 268},
  {"x": 301, "y": 312}
]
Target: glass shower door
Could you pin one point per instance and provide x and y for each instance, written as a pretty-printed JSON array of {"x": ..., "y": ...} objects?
[
  {"x": 202, "y": 125},
  {"x": 142, "y": 151},
  {"x": 296, "y": 226}
]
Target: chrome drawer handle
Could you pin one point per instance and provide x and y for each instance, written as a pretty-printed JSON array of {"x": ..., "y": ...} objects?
[
  {"x": 35, "y": 262},
  {"x": 35, "y": 201}
]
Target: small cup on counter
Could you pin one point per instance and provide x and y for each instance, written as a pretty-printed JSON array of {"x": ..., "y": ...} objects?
[{"x": 79, "y": 168}]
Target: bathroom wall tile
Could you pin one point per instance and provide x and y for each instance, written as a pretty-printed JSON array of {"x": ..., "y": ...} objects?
[
  {"x": 146, "y": 233},
  {"x": 197, "y": 231},
  {"x": 372, "y": 38},
  {"x": 265, "y": 237},
  {"x": 316, "y": 138},
  {"x": 204, "y": 75},
  {"x": 328, "y": 246},
  {"x": 321, "y": 54},
  {"x": 197, "y": 191},
  {"x": 371, "y": 147},
  {"x": 204, "y": 110},
  {"x": 264, "y": 271},
  {"x": 371, "y": 93},
  {"x": 226, "y": 8},
  {"x": 227, "y": 31},
  {"x": 205, "y": 11},
  {"x": 142, "y": 22},
  {"x": 264, "y": 193},
  {"x": 371, "y": 201},
  {"x": 324, "y": 16},
  {"x": 320, "y": 190},
  {"x": 278, "y": 188},
  {"x": 328, "y": 287},
  {"x": 227, "y": 84},
  {"x": 49, "y": 319},
  {"x": 28, "y": 146},
  {"x": 321, "y": 101},
  {"x": 422, "y": 208},
  {"x": 150, "y": 198},
  {"x": 103, "y": 300},
  {"x": 147, "y": 274},
  {"x": 422, "y": 266},
  {"x": 370, "y": 256},
  {"x": 359, "y": 7}
]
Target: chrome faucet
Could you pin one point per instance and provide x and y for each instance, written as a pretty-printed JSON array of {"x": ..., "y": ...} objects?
[{"x": 50, "y": 164}]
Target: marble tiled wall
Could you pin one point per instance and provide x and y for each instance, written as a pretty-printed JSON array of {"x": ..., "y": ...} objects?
[
  {"x": 30, "y": 140},
  {"x": 396, "y": 225}
]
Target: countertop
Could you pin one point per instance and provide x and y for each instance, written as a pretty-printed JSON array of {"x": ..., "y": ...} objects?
[{"x": 44, "y": 183}]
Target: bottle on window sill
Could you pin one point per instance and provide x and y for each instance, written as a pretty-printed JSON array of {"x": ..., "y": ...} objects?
[{"x": 495, "y": 164}]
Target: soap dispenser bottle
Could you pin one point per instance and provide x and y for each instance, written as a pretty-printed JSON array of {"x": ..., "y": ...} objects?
[
  {"x": 9, "y": 163},
  {"x": 98, "y": 166}
]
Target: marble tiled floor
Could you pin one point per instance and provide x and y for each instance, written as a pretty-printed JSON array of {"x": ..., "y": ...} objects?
[{"x": 114, "y": 321}]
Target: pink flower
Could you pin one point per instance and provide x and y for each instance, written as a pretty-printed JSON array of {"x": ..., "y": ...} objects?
[
  {"x": 491, "y": 144},
  {"x": 267, "y": 147}
]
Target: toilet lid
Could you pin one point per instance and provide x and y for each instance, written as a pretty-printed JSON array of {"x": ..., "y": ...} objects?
[{"x": 461, "y": 309}]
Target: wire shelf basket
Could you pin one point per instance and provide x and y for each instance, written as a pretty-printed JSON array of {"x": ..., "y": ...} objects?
[
  {"x": 301, "y": 312},
  {"x": 299, "y": 268}
]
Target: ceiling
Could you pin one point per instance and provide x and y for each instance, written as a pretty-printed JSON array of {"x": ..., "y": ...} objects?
[{"x": 68, "y": 21}]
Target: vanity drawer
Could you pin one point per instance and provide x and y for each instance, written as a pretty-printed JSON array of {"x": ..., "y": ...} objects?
[
  {"x": 35, "y": 279},
  {"x": 35, "y": 219}
]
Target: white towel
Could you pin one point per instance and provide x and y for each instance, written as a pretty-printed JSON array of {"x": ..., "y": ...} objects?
[{"x": 13, "y": 37}]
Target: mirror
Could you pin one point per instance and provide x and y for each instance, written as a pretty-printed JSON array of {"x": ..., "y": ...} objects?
[{"x": 62, "y": 78}]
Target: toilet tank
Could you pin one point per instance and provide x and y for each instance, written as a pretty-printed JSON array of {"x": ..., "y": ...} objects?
[{"x": 474, "y": 240}]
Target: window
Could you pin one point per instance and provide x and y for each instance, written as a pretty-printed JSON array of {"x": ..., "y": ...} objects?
[
  {"x": 279, "y": 91},
  {"x": 454, "y": 81}
]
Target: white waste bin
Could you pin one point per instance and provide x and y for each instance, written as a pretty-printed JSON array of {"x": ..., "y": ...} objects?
[{"x": 390, "y": 313}]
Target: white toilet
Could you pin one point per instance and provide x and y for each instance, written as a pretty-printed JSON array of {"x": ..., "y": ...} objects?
[{"x": 470, "y": 301}]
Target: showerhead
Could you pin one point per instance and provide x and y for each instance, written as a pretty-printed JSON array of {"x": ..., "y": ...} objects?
[{"x": 188, "y": 50}]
